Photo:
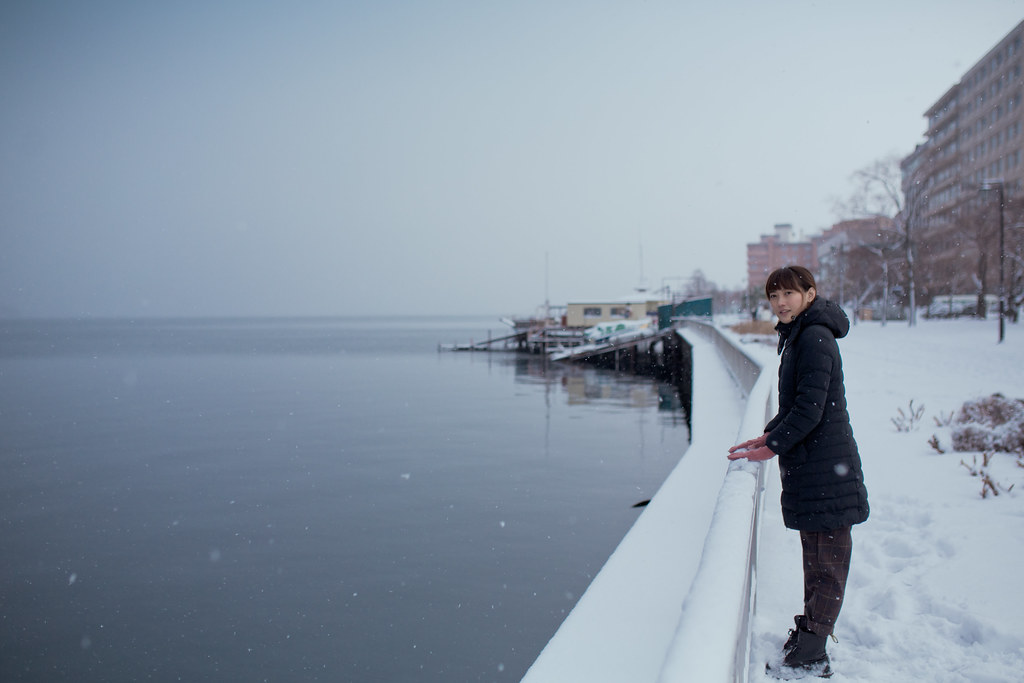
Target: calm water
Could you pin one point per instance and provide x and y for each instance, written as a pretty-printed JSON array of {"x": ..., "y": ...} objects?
[{"x": 305, "y": 500}]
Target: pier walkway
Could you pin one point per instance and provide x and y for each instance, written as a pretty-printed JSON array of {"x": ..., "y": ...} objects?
[{"x": 504, "y": 342}]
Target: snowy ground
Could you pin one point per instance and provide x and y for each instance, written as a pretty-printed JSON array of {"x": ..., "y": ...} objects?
[{"x": 935, "y": 590}]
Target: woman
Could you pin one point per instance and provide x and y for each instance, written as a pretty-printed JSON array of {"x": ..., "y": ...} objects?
[{"x": 823, "y": 492}]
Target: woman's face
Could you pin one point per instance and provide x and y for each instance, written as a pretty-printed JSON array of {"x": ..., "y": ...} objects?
[{"x": 789, "y": 303}]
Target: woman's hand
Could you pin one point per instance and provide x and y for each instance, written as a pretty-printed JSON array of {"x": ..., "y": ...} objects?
[
  {"x": 752, "y": 443},
  {"x": 762, "y": 453},
  {"x": 754, "y": 449}
]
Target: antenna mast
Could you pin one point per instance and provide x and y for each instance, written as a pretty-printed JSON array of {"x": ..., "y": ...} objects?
[{"x": 640, "y": 245}]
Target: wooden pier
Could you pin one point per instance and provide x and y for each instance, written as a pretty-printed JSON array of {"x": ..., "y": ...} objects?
[
  {"x": 663, "y": 355},
  {"x": 515, "y": 340},
  {"x": 536, "y": 340},
  {"x": 630, "y": 354}
]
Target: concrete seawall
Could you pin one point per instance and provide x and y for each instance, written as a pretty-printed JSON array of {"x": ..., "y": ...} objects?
[{"x": 634, "y": 621}]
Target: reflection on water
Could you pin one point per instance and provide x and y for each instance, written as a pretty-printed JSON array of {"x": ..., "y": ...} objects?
[
  {"x": 305, "y": 500},
  {"x": 585, "y": 384}
]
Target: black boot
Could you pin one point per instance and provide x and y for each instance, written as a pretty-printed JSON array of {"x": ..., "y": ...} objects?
[
  {"x": 808, "y": 657},
  {"x": 801, "y": 623}
]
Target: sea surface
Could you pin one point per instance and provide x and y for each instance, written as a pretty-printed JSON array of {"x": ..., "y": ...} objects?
[{"x": 305, "y": 499}]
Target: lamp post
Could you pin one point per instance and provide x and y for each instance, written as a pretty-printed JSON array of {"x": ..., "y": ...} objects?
[
  {"x": 881, "y": 250},
  {"x": 998, "y": 186}
]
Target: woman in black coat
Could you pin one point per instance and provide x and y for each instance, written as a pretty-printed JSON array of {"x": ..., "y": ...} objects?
[{"x": 823, "y": 491}]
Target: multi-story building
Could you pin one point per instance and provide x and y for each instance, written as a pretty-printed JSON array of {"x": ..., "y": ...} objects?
[
  {"x": 974, "y": 142},
  {"x": 990, "y": 140},
  {"x": 777, "y": 250},
  {"x": 856, "y": 261}
]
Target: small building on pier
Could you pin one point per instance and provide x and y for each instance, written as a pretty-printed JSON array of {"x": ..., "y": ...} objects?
[{"x": 588, "y": 313}]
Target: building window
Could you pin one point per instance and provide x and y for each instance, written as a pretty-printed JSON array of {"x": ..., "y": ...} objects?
[
  {"x": 592, "y": 312},
  {"x": 619, "y": 312}
]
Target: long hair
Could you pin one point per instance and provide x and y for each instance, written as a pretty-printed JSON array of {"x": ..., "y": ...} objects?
[{"x": 789, "y": 277}]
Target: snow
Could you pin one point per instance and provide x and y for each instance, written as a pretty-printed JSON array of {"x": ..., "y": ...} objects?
[{"x": 932, "y": 593}]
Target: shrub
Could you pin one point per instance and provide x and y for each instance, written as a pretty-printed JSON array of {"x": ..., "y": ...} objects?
[
  {"x": 988, "y": 485},
  {"x": 907, "y": 421},
  {"x": 994, "y": 423}
]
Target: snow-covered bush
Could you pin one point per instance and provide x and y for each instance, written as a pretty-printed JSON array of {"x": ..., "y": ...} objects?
[
  {"x": 984, "y": 426},
  {"x": 994, "y": 423}
]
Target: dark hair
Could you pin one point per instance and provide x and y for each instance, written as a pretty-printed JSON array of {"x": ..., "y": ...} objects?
[{"x": 789, "y": 277}]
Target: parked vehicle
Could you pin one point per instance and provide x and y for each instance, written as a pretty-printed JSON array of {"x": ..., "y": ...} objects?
[{"x": 959, "y": 305}]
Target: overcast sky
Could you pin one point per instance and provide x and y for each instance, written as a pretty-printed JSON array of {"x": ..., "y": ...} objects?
[{"x": 332, "y": 158}]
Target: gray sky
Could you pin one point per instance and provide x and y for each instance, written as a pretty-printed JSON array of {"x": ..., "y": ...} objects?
[{"x": 322, "y": 158}]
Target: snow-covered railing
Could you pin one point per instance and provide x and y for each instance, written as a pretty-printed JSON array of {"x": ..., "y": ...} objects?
[
  {"x": 712, "y": 640},
  {"x": 693, "y": 547},
  {"x": 742, "y": 367}
]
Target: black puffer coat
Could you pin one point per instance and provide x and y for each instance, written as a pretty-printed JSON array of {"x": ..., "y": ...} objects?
[{"x": 822, "y": 482}]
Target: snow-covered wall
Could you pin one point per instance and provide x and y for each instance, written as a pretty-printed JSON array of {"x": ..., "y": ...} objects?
[
  {"x": 685, "y": 565},
  {"x": 712, "y": 640}
]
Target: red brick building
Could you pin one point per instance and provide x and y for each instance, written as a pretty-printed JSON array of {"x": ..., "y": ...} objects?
[{"x": 777, "y": 250}]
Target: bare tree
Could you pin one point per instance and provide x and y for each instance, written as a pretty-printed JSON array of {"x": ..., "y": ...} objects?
[
  {"x": 698, "y": 284},
  {"x": 976, "y": 235},
  {"x": 1014, "y": 257},
  {"x": 857, "y": 258},
  {"x": 891, "y": 188},
  {"x": 980, "y": 226}
]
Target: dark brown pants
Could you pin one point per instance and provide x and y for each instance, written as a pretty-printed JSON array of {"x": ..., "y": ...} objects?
[{"x": 826, "y": 566}]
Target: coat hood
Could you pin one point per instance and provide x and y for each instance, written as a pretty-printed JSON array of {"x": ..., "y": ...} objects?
[{"x": 820, "y": 312}]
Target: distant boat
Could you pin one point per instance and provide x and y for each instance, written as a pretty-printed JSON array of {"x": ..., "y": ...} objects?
[
  {"x": 607, "y": 331},
  {"x": 533, "y": 323}
]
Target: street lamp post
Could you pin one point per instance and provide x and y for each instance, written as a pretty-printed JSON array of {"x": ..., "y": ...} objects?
[
  {"x": 881, "y": 251},
  {"x": 998, "y": 186}
]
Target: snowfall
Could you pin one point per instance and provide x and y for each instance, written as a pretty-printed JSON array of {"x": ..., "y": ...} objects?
[{"x": 935, "y": 590}]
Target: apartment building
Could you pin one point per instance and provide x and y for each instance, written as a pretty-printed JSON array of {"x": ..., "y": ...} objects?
[
  {"x": 974, "y": 136},
  {"x": 991, "y": 116}
]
